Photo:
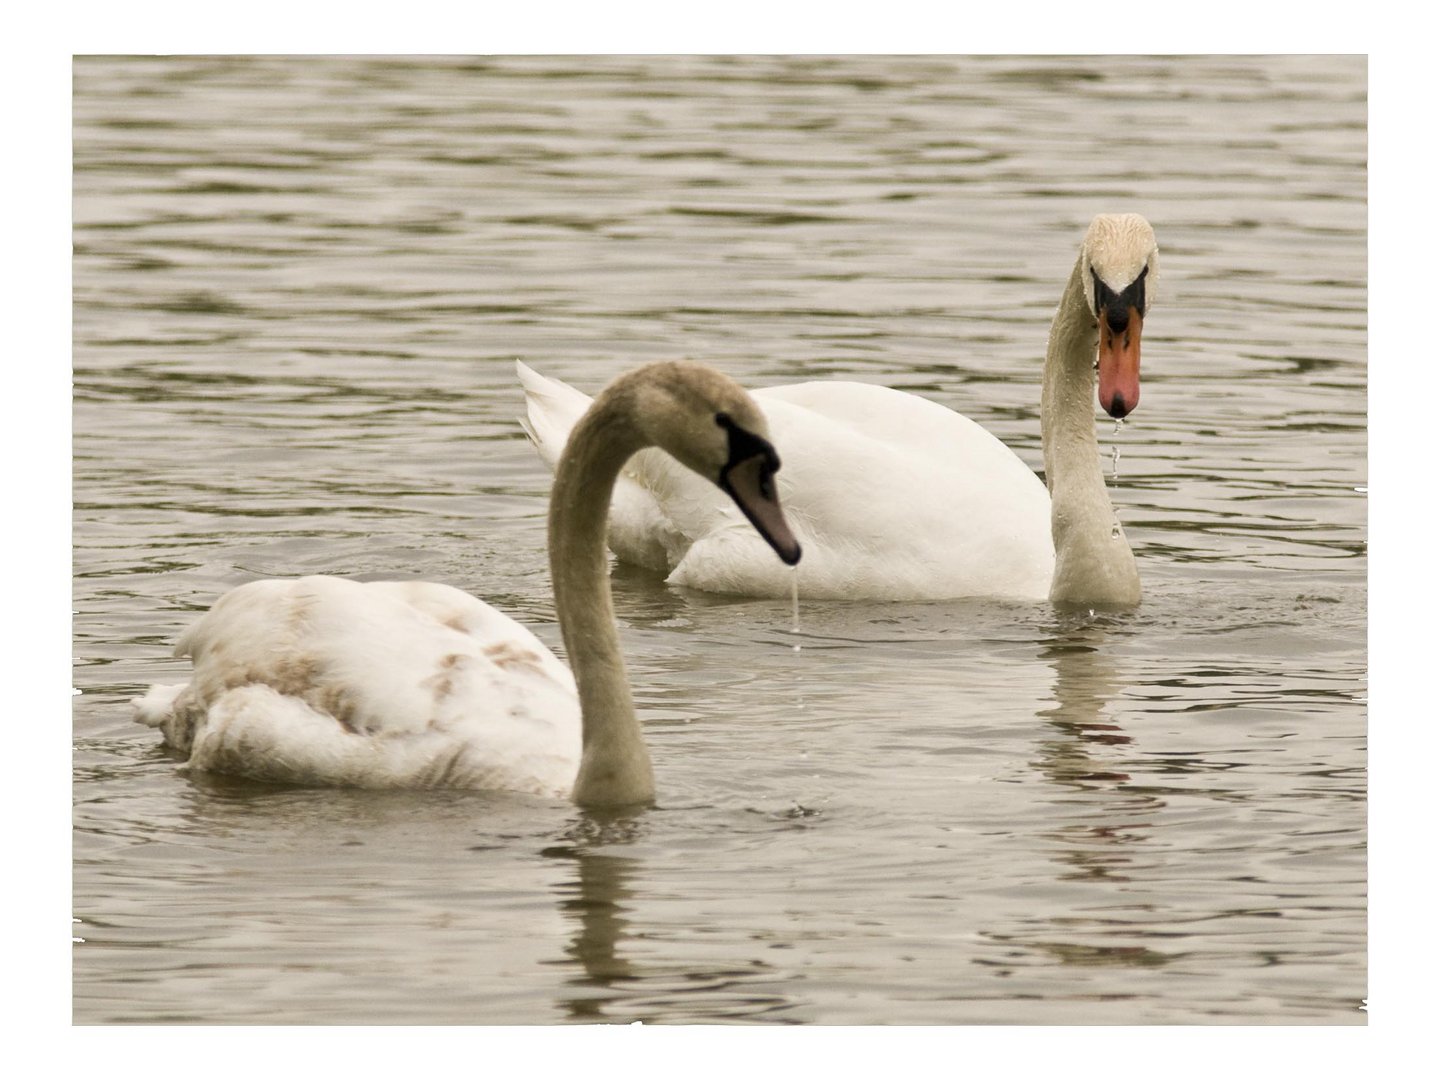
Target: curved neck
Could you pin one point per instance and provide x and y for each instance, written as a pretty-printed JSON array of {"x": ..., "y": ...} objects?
[
  {"x": 1093, "y": 560},
  {"x": 614, "y": 764}
]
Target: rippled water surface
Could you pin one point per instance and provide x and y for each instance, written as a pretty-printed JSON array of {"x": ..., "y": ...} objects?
[{"x": 300, "y": 285}]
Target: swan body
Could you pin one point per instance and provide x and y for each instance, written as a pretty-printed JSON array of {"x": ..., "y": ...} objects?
[
  {"x": 398, "y": 684},
  {"x": 896, "y": 497},
  {"x": 323, "y": 680},
  {"x": 880, "y": 488}
]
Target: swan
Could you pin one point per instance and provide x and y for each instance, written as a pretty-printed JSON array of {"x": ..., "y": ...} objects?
[
  {"x": 896, "y": 497},
  {"x": 324, "y": 681}
]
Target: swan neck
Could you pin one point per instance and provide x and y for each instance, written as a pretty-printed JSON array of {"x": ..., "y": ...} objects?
[
  {"x": 1067, "y": 419},
  {"x": 614, "y": 763},
  {"x": 1093, "y": 560}
]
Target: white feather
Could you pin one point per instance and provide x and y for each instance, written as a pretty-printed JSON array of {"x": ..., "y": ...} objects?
[{"x": 441, "y": 689}]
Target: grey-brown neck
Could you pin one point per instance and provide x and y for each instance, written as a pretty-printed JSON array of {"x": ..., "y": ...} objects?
[
  {"x": 614, "y": 765},
  {"x": 1093, "y": 560}
]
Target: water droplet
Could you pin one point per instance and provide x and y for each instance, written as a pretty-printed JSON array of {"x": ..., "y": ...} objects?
[
  {"x": 795, "y": 602},
  {"x": 1119, "y": 424},
  {"x": 1115, "y": 531}
]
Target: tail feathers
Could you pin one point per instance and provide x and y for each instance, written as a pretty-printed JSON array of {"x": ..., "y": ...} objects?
[
  {"x": 165, "y": 707},
  {"x": 154, "y": 707},
  {"x": 551, "y": 409}
]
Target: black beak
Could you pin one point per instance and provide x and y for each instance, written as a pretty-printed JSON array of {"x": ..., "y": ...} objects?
[
  {"x": 749, "y": 478},
  {"x": 751, "y": 483}
]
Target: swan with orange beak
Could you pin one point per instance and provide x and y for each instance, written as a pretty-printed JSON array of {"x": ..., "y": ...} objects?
[
  {"x": 898, "y": 497},
  {"x": 1095, "y": 332}
]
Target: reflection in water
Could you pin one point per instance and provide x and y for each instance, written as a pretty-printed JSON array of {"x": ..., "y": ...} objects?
[
  {"x": 1087, "y": 683},
  {"x": 593, "y": 899},
  {"x": 611, "y": 986},
  {"x": 1080, "y": 955},
  {"x": 643, "y": 599}
]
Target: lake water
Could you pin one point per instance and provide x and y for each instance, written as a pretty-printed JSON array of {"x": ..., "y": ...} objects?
[{"x": 299, "y": 288}]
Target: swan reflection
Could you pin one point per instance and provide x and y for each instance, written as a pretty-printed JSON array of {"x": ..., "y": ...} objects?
[
  {"x": 601, "y": 901},
  {"x": 1109, "y": 823}
]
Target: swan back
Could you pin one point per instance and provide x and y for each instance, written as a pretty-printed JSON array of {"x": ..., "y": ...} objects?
[{"x": 442, "y": 690}]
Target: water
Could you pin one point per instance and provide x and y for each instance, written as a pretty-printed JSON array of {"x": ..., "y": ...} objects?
[
  {"x": 299, "y": 289},
  {"x": 795, "y": 603}
]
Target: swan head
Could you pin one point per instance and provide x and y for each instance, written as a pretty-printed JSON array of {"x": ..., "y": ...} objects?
[
  {"x": 1118, "y": 269},
  {"x": 708, "y": 423}
]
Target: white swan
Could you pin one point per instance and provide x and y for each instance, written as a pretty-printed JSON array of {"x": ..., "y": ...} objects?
[
  {"x": 896, "y": 497},
  {"x": 325, "y": 681}
]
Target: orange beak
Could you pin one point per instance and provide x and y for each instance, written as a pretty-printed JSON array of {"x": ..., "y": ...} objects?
[{"x": 1119, "y": 364}]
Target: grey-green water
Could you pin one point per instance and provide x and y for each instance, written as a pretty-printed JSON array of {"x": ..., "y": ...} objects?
[{"x": 300, "y": 285}]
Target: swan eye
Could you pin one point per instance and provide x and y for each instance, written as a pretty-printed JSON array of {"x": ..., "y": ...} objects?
[{"x": 722, "y": 419}]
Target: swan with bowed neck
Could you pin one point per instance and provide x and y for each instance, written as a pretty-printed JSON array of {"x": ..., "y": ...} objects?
[
  {"x": 896, "y": 497},
  {"x": 397, "y": 684}
]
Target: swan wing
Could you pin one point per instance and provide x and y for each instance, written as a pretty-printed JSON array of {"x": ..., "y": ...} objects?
[
  {"x": 322, "y": 680},
  {"x": 893, "y": 497}
]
